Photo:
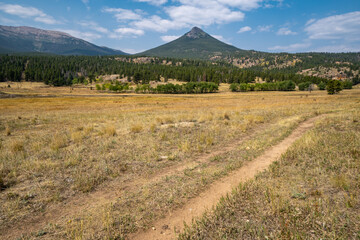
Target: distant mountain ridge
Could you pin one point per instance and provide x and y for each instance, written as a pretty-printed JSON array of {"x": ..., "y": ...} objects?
[
  {"x": 194, "y": 44},
  {"x": 34, "y": 40}
]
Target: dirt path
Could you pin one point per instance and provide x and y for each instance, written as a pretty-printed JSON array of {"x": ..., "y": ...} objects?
[
  {"x": 60, "y": 213},
  {"x": 164, "y": 228}
]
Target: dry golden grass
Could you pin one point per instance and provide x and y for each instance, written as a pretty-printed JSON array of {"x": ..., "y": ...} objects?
[
  {"x": 7, "y": 131},
  {"x": 311, "y": 193},
  {"x": 110, "y": 131},
  {"x": 136, "y": 128},
  {"x": 60, "y": 147}
]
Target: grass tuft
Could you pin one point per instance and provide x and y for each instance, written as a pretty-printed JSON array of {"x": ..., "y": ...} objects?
[
  {"x": 136, "y": 128},
  {"x": 17, "y": 146},
  {"x": 7, "y": 131},
  {"x": 58, "y": 141},
  {"x": 110, "y": 131}
]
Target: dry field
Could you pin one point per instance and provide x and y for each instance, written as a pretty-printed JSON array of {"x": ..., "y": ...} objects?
[
  {"x": 109, "y": 167},
  {"x": 312, "y": 192}
]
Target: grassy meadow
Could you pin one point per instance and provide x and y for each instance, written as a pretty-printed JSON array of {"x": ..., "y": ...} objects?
[
  {"x": 311, "y": 193},
  {"x": 104, "y": 167}
]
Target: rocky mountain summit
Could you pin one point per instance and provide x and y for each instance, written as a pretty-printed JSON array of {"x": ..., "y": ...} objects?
[{"x": 33, "y": 40}]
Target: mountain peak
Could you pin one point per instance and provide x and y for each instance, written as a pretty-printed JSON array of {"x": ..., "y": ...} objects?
[
  {"x": 196, "y": 33},
  {"x": 29, "y": 39},
  {"x": 195, "y": 44}
]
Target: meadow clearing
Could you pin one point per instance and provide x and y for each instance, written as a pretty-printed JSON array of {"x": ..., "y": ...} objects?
[{"x": 81, "y": 165}]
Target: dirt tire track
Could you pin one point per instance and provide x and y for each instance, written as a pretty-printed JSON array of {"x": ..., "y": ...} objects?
[
  {"x": 81, "y": 203},
  {"x": 164, "y": 228}
]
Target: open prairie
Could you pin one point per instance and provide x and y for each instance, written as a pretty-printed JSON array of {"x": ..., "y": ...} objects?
[{"x": 77, "y": 165}]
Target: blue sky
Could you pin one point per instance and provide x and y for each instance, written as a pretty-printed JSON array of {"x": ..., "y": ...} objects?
[{"x": 137, "y": 25}]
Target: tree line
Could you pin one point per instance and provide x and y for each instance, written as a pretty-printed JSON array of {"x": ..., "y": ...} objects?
[
  {"x": 68, "y": 70},
  {"x": 187, "y": 88},
  {"x": 275, "y": 86}
]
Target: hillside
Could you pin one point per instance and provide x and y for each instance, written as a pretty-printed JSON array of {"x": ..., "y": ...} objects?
[
  {"x": 194, "y": 44},
  {"x": 33, "y": 40}
]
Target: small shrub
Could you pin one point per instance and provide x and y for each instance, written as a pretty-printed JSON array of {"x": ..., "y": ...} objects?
[
  {"x": 17, "y": 147},
  {"x": 80, "y": 128},
  {"x": 276, "y": 86},
  {"x": 334, "y": 87},
  {"x": 226, "y": 116},
  {"x": 304, "y": 86},
  {"x": 76, "y": 136},
  {"x": 88, "y": 130},
  {"x": 153, "y": 128},
  {"x": 110, "y": 131},
  {"x": 136, "y": 128},
  {"x": 234, "y": 87},
  {"x": 322, "y": 86},
  {"x": 7, "y": 131},
  {"x": 2, "y": 183},
  {"x": 209, "y": 140},
  {"x": 347, "y": 84},
  {"x": 58, "y": 141},
  {"x": 185, "y": 146}
]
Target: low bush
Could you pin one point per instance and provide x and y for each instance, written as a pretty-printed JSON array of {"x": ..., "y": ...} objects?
[
  {"x": 304, "y": 86},
  {"x": 276, "y": 86},
  {"x": 334, "y": 87},
  {"x": 347, "y": 84},
  {"x": 322, "y": 86},
  {"x": 117, "y": 87},
  {"x": 188, "y": 88}
]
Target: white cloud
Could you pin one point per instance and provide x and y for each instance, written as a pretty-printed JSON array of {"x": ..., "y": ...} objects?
[
  {"x": 169, "y": 38},
  {"x": 126, "y": 32},
  {"x": 266, "y": 28},
  {"x": 285, "y": 31},
  {"x": 310, "y": 21},
  {"x": 242, "y": 4},
  {"x": 28, "y": 12},
  {"x": 94, "y": 26},
  {"x": 188, "y": 13},
  {"x": 158, "y": 24},
  {"x": 88, "y": 36},
  {"x": 123, "y": 14},
  {"x": 244, "y": 29},
  {"x": 153, "y": 2},
  {"x": 291, "y": 48},
  {"x": 267, "y": 5},
  {"x": 204, "y": 16},
  {"x": 45, "y": 19},
  {"x": 129, "y": 31},
  {"x": 345, "y": 26},
  {"x": 338, "y": 48},
  {"x": 20, "y": 11},
  {"x": 132, "y": 51}
]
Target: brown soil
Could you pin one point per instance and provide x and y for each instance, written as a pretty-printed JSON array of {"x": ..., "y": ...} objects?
[{"x": 164, "y": 228}]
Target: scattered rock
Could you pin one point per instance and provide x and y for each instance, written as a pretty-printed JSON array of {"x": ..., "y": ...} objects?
[{"x": 162, "y": 158}]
